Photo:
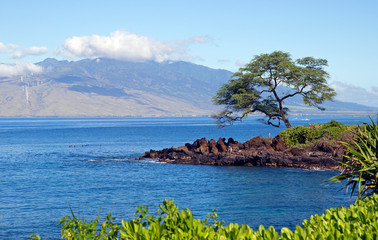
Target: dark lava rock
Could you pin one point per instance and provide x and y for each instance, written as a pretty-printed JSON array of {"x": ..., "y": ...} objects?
[
  {"x": 255, "y": 152},
  {"x": 278, "y": 143},
  {"x": 221, "y": 145},
  {"x": 257, "y": 143},
  {"x": 297, "y": 151},
  {"x": 324, "y": 146},
  {"x": 213, "y": 146}
]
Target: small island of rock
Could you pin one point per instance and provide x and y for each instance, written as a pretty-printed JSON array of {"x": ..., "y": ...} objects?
[{"x": 257, "y": 151}]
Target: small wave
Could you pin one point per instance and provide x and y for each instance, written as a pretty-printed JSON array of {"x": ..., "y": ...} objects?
[
  {"x": 318, "y": 169},
  {"x": 122, "y": 159},
  {"x": 108, "y": 159},
  {"x": 119, "y": 159},
  {"x": 154, "y": 161}
]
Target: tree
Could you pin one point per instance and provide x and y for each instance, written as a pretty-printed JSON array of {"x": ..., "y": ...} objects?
[{"x": 263, "y": 85}]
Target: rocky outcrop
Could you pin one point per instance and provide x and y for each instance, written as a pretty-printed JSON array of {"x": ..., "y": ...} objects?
[{"x": 255, "y": 152}]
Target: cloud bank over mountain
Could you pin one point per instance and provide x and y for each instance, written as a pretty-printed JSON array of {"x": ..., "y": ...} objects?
[
  {"x": 29, "y": 51},
  {"x": 19, "y": 68},
  {"x": 7, "y": 47},
  {"x": 122, "y": 45},
  {"x": 352, "y": 93},
  {"x": 119, "y": 45}
]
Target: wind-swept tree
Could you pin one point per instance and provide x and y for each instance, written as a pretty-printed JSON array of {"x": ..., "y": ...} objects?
[{"x": 257, "y": 88}]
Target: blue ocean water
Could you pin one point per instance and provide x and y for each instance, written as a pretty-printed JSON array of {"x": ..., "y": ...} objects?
[{"x": 47, "y": 164}]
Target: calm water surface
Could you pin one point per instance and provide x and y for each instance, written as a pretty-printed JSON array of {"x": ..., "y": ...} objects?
[{"x": 48, "y": 163}]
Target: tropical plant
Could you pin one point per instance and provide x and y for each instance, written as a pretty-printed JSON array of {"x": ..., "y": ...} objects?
[
  {"x": 360, "y": 161},
  {"x": 74, "y": 228},
  {"x": 171, "y": 223},
  {"x": 358, "y": 221},
  {"x": 264, "y": 84}
]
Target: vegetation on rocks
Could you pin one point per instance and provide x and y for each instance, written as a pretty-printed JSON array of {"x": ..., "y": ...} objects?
[
  {"x": 302, "y": 136},
  {"x": 316, "y": 146}
]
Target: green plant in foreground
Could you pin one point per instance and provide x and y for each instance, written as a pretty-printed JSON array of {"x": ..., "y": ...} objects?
[
  {"x": 359, "y": 221},
  {"x": 76, "y": 228},
  {"x": 360, "y": 161}
]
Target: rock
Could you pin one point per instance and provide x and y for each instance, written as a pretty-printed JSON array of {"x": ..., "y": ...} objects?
[
  {"x": 201, "y": 146},
  {"x": 339, "y": 151},
  {"x": 221, "y": 145},
  {"x": 236, "y": 146},
  {"x": 256, "y": 143},
  {"x": 254, "y": 152},
  {"x": 297, "y": 151},
  {"x": 213, "y": 146},
  {"x": 324, "y": 146},
  {"x": 151, "y": 154},
  {"x": 183, "y": 148},
  {"x": 278, "y": 143},
  {"x": 190, "y": 147}
]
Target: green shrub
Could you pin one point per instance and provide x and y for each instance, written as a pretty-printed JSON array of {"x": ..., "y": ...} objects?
[
  {"x": 301, "y": 135},
  {"x": 359, "y": 221},
  {"x": 361, "y": 161}
]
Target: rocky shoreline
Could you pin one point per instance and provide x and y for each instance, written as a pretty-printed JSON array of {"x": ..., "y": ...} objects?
[{"x": 255, "y": 152}]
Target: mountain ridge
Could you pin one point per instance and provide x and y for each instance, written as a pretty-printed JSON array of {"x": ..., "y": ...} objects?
[{"x": 108, "y": 87}]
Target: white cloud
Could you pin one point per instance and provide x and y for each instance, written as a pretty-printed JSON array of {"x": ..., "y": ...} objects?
[
  {"x": 351, "y": 93},
  {"x": 11, "y": 47},
  {"x": 19, "y": 68},
  {"x": 192, "y": 40},
  {"x": 222, "y": 61},
  {"x": 3, "y": 48},
  {"x": 8, "y": 47},
  {"x": 240, "y": 63},
  {"x": 127, "y": 46},
  {"x": 29, "y": 51}
]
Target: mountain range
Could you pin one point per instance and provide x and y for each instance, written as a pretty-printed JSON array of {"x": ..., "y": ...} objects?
[{"x": 107, "y": 87}]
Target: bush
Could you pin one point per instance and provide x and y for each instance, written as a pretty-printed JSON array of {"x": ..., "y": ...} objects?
[
  {"x": 361, "y": 161},
  {"x": 301, "y": 135},
  {"x": 359, "y": 221}
]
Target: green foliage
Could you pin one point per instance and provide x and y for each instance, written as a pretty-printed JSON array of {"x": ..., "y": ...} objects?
[
  {"x": 79, "y": 228},
  {"x": 300, "y": 135},
  {"x": 171, "y": 223},
  {"x": 257, "y": 87},
  {"x": 361, "y": 161},
  {"x": 359, "y": 221}
]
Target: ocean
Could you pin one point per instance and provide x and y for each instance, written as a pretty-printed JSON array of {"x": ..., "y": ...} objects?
[{"x": 48, "y": 165}]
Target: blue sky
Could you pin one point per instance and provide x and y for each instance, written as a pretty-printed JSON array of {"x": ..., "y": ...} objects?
[{"x": 217, "y": 34}]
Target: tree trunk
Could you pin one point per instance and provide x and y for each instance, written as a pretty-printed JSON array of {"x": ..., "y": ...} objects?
[{"x": 286, "y": 121}]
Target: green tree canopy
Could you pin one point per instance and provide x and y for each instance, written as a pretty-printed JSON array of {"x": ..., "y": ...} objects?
[{"x": 257, "y": 87}]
